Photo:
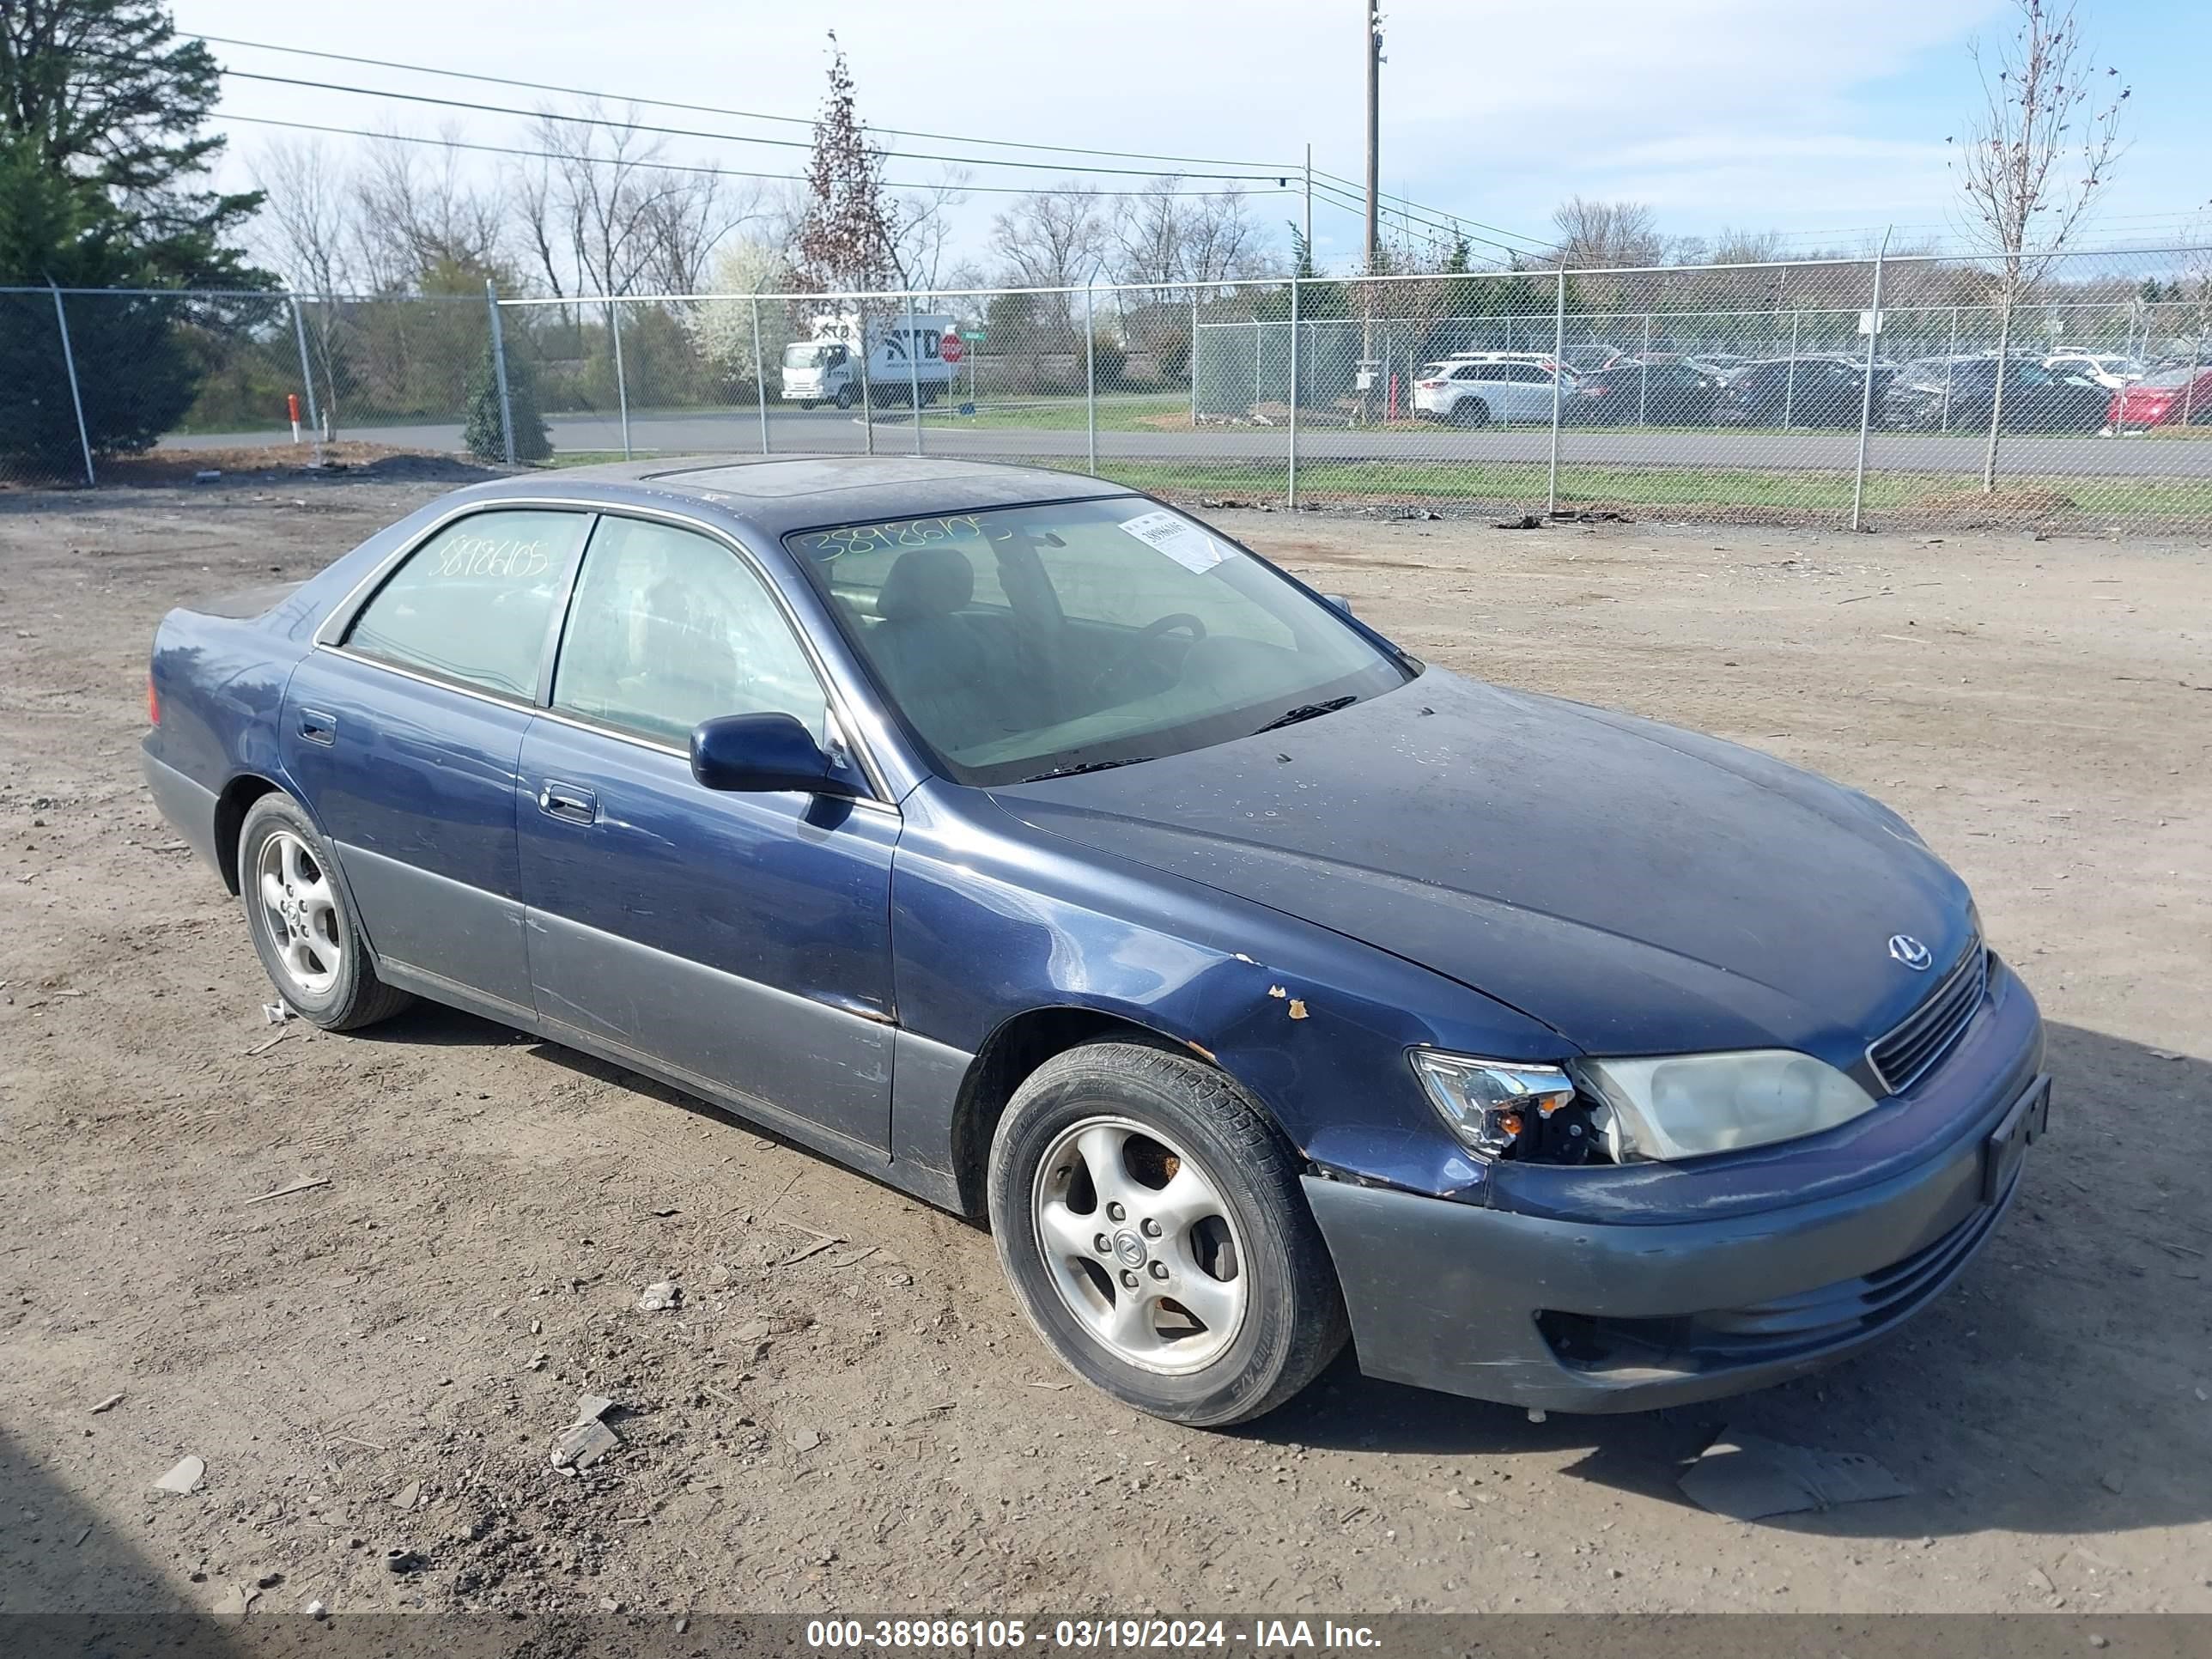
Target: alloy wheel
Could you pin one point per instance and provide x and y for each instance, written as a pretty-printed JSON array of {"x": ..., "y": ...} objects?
[
  {"x": 1139, "y": 1245},
  {"x": 299, "y": 908}
]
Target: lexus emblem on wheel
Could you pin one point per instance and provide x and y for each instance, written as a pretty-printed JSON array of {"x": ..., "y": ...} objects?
[{"x": 1910, "y": 951}]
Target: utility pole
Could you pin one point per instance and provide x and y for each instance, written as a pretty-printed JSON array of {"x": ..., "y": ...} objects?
[
  {"x": 1371, "y": 22},
  {"x": 1309, "y": 202}
]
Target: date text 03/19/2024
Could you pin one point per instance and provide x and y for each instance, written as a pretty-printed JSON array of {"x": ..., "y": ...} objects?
[{"x": 833, "y": 1635}]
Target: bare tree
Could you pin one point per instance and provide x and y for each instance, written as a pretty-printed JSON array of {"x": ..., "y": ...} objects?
[
  {"x": 305, "y": 212},
  {"x": 1594, "y": 234},
  {"x": 1163, "y": 238},
  {"x": 307, "y": 226},
  {"x": 847, "y": 238},
  {"x": 421, "y": 225},
  {"x": 1052, "y": 238},
  {"x": 603, "y": 213},
  {"x": 925, "y": 227},
  {"x": 2033, "y": 160}
]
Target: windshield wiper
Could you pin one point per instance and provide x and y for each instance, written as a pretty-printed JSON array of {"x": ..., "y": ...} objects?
[
  {"x": 1086, "y": 766},
  {"x": 1307, "y": 711}
]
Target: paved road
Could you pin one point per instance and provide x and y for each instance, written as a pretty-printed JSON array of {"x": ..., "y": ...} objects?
[{"x": 828, "y": 431}]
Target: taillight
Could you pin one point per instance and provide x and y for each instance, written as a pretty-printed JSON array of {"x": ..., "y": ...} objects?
[
  {"x": 1427, "y": 385},
  {"x": 153, "y": 703}
]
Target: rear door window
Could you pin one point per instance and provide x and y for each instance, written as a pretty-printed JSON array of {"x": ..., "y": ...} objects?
[{"x": 474, "y": 605}]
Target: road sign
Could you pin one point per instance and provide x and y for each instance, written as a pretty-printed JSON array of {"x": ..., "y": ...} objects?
[{"x": 949, "y": 346}]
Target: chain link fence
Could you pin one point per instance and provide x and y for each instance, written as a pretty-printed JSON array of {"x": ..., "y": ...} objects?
[{"x": 2070, "y": 392}]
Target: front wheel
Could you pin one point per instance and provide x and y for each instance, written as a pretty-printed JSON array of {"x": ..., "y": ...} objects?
[
  {"x": 844, "y": 398},
  {"x": 303, "y": 931},
  {"x": 1149, "y": 1217},
  {"x": 806, "y": 403}
]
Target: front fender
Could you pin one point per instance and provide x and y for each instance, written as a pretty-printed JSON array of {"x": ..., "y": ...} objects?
[{"x": 992, "y": 920}]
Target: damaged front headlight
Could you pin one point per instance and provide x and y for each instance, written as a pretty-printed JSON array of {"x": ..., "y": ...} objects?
[
  {"x": 1681, "y": 1106},
  {"x": 1492, "y": 1105},
  {"x": 1633, "y": 1111}
]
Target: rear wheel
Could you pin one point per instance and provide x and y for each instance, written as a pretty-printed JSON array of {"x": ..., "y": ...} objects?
[
  {"x": 1470, "y": 411},
  {"x": 1149, "y": 1217},
  {"x": 302, "y": 929}
]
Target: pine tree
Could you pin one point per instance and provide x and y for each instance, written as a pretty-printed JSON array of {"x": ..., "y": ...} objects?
[
  {"x": 485, "y": 432},
  {"x": 102, "y": 176}
]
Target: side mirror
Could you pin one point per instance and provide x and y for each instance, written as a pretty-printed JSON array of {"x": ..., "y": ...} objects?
[
  {"x": 761, "y": 754},
  {"x": 1341, "y": 602}
]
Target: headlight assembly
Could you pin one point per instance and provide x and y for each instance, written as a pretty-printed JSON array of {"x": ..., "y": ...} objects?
[
  {"x": 1491, "y": 1104},
  {"x": 1632, "y": 1111},
  {"x": 1683, "y": 1106}
]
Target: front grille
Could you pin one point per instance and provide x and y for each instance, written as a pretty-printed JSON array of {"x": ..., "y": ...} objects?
[
  {"x": 1785, "y": 1329},
  {"x": 1919, "y": 1040}
]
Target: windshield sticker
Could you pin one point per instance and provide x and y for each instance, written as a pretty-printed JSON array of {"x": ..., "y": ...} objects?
[{"x": 1179, "y": 538}]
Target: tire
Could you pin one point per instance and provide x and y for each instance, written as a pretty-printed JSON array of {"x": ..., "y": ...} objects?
[
  {"x": 302, "y": 926},
  {"x": 1161, "y": 1130},
  {"x": 844, "y": 397},
  {"x": 1470, "y": 411},
  {"x": 806, "y": 403}
]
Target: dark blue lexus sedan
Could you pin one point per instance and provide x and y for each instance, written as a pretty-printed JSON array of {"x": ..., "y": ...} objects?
[{"x": 1026, "y": 843}]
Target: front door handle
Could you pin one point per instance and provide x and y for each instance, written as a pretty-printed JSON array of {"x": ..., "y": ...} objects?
[
  {"x": 571, "y": 801},
  {"x": 316, "y": 726}
]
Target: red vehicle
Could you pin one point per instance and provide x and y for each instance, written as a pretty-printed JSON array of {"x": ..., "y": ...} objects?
[{"x": 2168, "y": 397}]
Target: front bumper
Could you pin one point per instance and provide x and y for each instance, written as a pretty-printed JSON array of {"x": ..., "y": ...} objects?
[{"x": 1582, "y": 1316}]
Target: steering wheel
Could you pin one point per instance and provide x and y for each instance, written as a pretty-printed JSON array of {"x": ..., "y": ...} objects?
[{"x": 1157, "y": 629}]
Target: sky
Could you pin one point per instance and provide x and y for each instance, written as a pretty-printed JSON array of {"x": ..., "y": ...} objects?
[{"x": 1824, "y": 119}]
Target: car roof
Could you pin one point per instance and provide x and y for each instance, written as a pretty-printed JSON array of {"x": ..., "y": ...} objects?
[{"x": 774, "y": 495}]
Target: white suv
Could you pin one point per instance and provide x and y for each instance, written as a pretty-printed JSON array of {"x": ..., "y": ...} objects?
[
  {"x": 2108, "y": 369},
  {"x": 1477, "y": 388}
]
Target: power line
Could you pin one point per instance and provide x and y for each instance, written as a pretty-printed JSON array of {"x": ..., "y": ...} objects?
[
  {"x": 1418, "y": 230},
  {"x": 673, "y": 167},
  {"x": 742, "y": 114},
  {"x": 1280, "y": 180},
  {"x": 1456, "y": 219}
]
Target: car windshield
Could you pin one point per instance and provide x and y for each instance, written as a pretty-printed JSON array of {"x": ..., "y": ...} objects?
[
  {"x": 1032, "y": 641},
  {"x": 803, "y": 353}
]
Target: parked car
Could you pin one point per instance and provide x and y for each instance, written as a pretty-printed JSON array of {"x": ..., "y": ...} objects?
[
  {"x": 2108, "y": 369},
  {"x": 1476, "y": 390},
  {"x": 1668, "y": 394},
  {"x": 2171, "y": 396},
  {"x": 1797, "y": 391},
  {"x": 1030, "y": 845},
  {"x": 1936, "y": 392},
  {"x": 1589, "y": 355}
]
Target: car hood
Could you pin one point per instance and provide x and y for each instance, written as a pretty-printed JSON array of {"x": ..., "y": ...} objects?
[{"x": 1639, "y": 889}]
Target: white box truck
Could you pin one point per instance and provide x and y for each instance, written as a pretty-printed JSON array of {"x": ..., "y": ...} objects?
[{"x": 903, "y": 361}]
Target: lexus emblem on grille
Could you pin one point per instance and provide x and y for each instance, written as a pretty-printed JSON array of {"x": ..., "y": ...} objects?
[{"x": 1910, "y": 951}]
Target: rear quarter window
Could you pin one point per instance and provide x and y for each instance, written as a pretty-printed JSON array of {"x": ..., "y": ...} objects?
[{"x": 474, "y": 604}]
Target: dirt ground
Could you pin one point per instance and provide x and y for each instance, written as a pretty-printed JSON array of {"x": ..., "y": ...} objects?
[{"x": 381, "y": 1362}]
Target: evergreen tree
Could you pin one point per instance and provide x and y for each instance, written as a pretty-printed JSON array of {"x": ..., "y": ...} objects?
[
  {"x": 483, "y": 431},
  {"x": 102, "y": 185}
]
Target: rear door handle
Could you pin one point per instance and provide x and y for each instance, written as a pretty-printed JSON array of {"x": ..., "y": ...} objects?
[
  {"x": 571, "y": 801},
  {"x": 316, "y": 726}
]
